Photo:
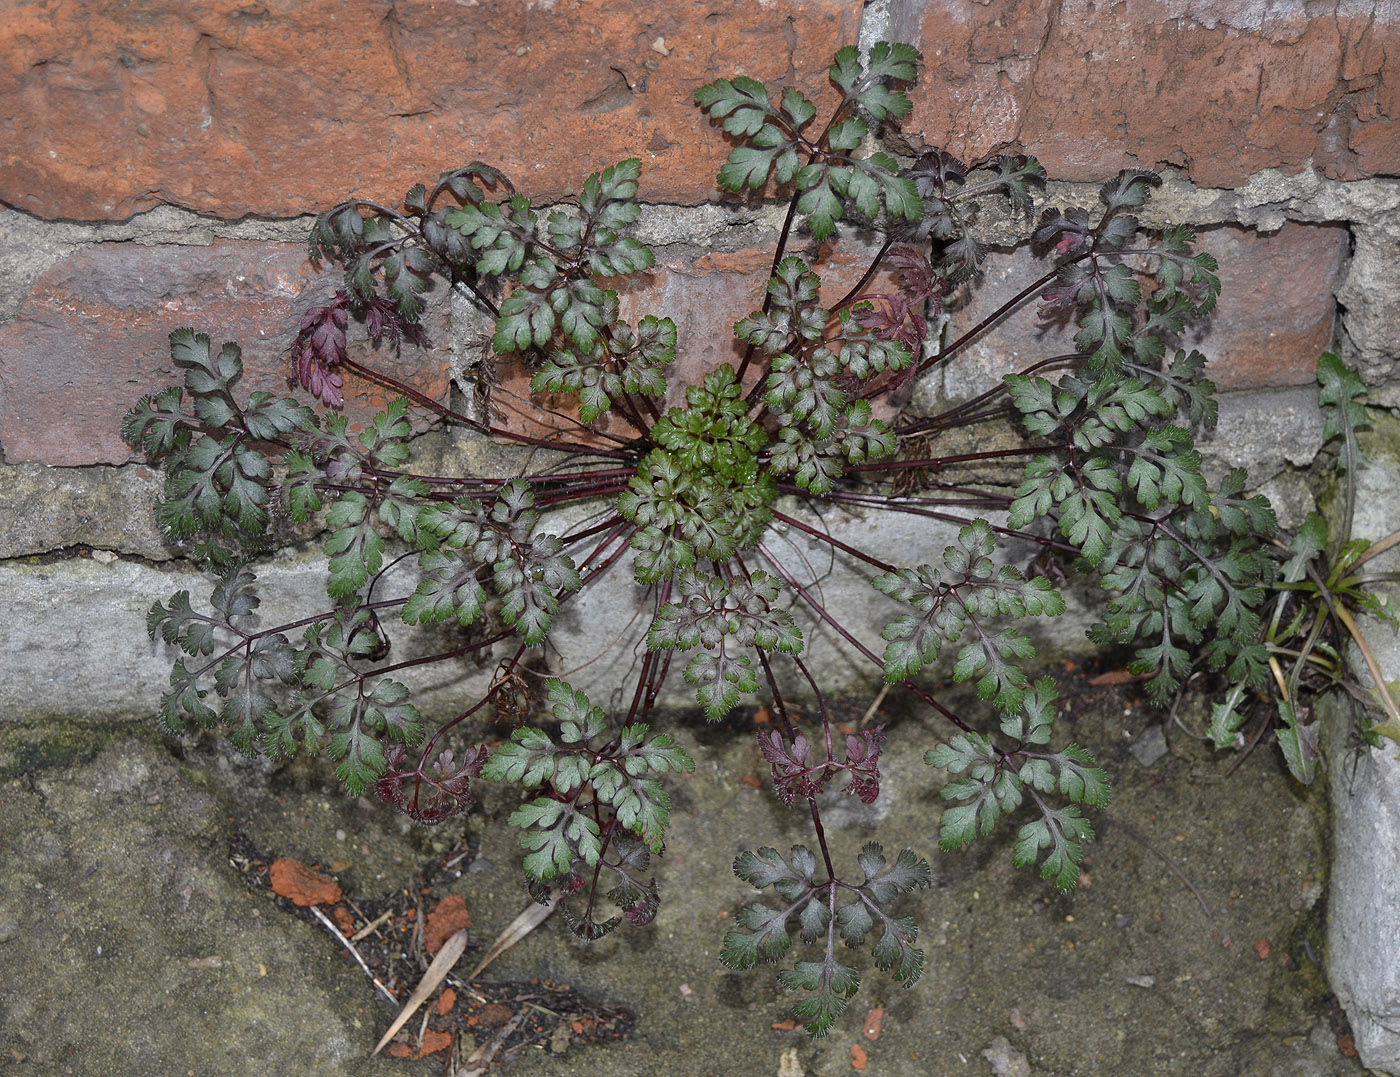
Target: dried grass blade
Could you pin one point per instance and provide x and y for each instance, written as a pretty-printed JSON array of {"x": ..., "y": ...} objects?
[
  {"x": 518, "y": 928},
  {"x": 442, "y": 964}
]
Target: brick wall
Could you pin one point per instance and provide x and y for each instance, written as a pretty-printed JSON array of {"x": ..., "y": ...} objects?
[
  {"x": 156, "y": 159},
  {"x": 188, "y": 137}
]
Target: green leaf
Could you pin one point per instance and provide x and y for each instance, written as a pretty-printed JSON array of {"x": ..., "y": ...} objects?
[
  {"x": 818, "y": 202},
  {"x": 1082, "y": 782},
  {"x": 1299, "y": 742},
  {"x": 1061, "y": 834},
  {"x": 767, "y": 867},
  {"x": 1338, "y": 389},
  {"x": 742, "y": 103},
  {"x": 157, "y": 423},
  {"x": 528, "y": 759},
  {"x": 356, "y": 551},
  {"x": 579, "y": 719},
  {"x": 1226, "y": 717},
  {"x": 833, "y": 984},
  {"x": 361, "y": 758},
  {"x": 884, "y": 880},
  {"x": 526, "y": 320},
  {"x": 558, "y": 834}
]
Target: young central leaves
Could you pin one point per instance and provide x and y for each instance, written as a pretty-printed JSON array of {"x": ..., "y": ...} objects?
[{"x": 701, "y": 492}]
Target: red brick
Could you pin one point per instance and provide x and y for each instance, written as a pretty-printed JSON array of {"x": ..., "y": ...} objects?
[
  {"x": 90, "y": 340},
  {"x": 1276, "y": 304},
  {"x": 1090, "y": 88},
  {"x": 234, "y": 108},
  {"x": 1274, "y": 317}
]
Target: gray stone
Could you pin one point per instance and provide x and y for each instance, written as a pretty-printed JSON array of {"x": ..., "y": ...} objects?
[
  {"x": 112, "y": 841},
  {"x": 1370, "y": 298},
  {"x": 1149, "y": 746},
  {"x": 29, "y": 245},
  {"x": 80, "y": 645},
  {"x": 1263, "y": 431},
  {"x": 1363, "y": 947},
  {"x": 138, "y": 949},
  {"x": 78, "y": 642},
  {"x": 108, "y": 508}
]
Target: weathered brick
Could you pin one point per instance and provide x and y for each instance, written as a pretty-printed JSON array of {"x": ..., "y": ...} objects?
[
  {"x": 90, "y": 340},
  {"x": 1216, "y": 89},
  {"x": 1274, "y": 317},
  {"x": 1277, "y": 304},
  {"x": 279, "y": 108}
]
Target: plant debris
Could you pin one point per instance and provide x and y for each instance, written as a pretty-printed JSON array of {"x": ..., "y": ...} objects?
[{"x": 481, "y": 1021}]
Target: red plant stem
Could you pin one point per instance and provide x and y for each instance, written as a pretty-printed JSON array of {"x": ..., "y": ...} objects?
[
  {"x": 441, "y": 656},
  {"x": 779, "y": 705},
  {"x": 942, "y": 461},
  {"x": 613, "y": 521},
  {"x": 821, "y": 705},
  {"x": 645, "y": 691},
  {"x": 925, "y": 426},
  {"x": 997, "y": 315},
  {"x": 447, "y": 413},
  {"x": 542, "y": 478},
  {"x": 945, "y": 419},
  {"x": 657, "y": 681},
  {"x": 823, "y": 536},
  {"x": 911, "y": 508},
  {"x": 854, "y": 294},
  {"x": 826, "y": 852},
  {"x": 822, "y": 612},
  {"x": 512, "y": 662},
  {"x": 613, "y": 557},
  {"x": 581, "y": 493}
]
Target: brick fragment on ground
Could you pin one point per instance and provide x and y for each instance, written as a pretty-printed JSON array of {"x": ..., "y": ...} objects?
[
  {"x": 450, "y": 917},
  {"x": 293, "y": 880}
]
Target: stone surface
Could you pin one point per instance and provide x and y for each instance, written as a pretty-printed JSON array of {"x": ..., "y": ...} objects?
[
  {"x": 106, "y": 508},
  {"x": 1370, "y": 298},
  {"x": 1273, "y": 320},
  {"x": 1363, "y": 948},
  {"x": 278, "y": 109},
  {"x": 1263, "y": 432},
  {"x": 135, "y": 947},
  {"x": 1363, "y": 956},
  {"x": 78, "y": 643},
  {"x": 90, "y": 339},
  {"x": 1219, "y": 90}
]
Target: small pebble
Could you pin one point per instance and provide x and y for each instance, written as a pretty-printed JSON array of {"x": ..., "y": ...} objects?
[
  {"x": 1142, "y": 981},
  {"x": 1150, "y": 746}
]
